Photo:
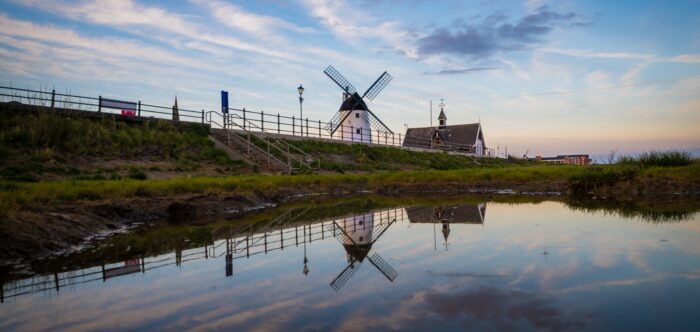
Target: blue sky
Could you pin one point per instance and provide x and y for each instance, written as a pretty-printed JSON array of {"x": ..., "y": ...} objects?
[{"x": 549, "y": 77}]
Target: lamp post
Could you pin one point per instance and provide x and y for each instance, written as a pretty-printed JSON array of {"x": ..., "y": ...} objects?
[
  {"x": 305, "y": 271},
  {"x": 301, "y": 112}
]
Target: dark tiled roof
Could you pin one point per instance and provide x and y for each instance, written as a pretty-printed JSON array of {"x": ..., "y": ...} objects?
[
  {"x": 465, "y": 134},
  {"x": 456, "y": 214}
]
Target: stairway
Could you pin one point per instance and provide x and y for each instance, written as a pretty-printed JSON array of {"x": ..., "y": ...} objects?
[{"x": 249, "y": 151}]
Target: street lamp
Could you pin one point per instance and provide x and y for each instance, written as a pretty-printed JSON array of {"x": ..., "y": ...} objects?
[{"x": 301, "y": 112}]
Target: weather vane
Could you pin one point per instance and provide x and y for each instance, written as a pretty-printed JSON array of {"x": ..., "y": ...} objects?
[{"x": 442, "y": 103}]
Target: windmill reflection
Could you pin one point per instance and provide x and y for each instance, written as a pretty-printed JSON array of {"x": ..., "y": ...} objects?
[{"x": 357, "y": 234}]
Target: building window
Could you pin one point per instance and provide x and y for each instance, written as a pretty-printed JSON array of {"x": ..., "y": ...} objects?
[
  {"x": 357, "y": 131},
  {"x": 357, "y": 115}
]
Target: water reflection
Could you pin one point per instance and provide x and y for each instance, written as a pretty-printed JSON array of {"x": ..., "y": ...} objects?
[{"x": 599, "y": 273}]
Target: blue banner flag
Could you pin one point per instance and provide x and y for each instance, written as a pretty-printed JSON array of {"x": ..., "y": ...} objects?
[{"x": 224, "y": 102}]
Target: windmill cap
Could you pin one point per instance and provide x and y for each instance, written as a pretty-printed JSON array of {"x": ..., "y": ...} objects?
[{"x": 354, "y": 103}]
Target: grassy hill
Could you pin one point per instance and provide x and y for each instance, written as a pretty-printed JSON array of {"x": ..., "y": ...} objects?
[{"x": 40, "y": 144}]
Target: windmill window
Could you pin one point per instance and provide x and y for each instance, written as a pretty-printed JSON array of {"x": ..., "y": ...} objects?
[
  {"x": 357, "y": 131},
  {"x": 361, "y": 238},
  {"x": 357, "y": 115}
]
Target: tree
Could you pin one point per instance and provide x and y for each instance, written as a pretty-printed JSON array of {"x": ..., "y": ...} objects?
[{"x": 611, "y": 156}]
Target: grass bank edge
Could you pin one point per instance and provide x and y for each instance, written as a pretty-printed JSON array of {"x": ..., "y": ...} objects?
[{"x": 15, "y": 193}]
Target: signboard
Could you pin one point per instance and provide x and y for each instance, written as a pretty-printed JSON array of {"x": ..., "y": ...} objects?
[
  {"x": 224, "y": 102},
  {"x": 129, "y": 267},
  {"x": 118, "y": 104},
  {"x": 128, "y": 113}
]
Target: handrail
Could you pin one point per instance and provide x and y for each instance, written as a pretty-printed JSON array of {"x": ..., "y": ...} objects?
[{"x": 282, "y": 141}]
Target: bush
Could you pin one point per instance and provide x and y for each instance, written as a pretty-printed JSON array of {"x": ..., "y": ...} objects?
[
  {"x": 595, "y": 177},
  {"x": 659, "y": 159},
  {"x": 137, "y": 175}
]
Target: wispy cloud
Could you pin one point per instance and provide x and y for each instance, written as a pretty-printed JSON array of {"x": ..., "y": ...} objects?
[
  {"x": 353, "y": 25},
  {"x": 461, "y": 71},
  {"x": 259, "y": 25},
  {"x": 129, "y": 16}
]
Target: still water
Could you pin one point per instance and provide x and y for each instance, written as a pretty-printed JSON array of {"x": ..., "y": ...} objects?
[{"x": 473, "y": 265}]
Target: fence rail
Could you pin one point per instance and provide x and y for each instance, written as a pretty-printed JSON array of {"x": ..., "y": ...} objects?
[{"x": 248, "y": 120}]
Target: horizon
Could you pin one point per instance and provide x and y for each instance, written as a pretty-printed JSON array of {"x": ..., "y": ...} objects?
[{"x": 544, "y": 77}]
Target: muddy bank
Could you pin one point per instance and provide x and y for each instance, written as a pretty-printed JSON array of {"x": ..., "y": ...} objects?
[{"x": 36, "y": 231}]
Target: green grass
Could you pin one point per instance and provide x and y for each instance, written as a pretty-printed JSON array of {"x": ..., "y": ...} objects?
[
  {"x": 20, "y": 194},
  {"x": 343, "y": 157},
  {"x": 36, "y": 143},
  {"x": 658, "y": 159}
]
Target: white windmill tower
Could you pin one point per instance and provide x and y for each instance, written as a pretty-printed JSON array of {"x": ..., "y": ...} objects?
[
  {"x": 358, "y": 234},
  {"x": 354, "y": 120}
]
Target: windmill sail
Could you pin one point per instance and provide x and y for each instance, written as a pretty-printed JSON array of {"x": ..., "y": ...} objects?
[
  {"x": 344, "y": 276},
  {"x": 377, "y": 86},
  {"x": 383, "y": 267},
  {"x": 339, "y": 79}
]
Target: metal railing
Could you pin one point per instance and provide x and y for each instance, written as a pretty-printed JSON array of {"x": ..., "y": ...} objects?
[
  {"x": 69, "y": 101},
  {"x": 247, "y": 120}
]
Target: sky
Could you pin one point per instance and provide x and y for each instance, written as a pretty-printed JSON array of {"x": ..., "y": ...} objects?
[{"x": 543, "y": 77}]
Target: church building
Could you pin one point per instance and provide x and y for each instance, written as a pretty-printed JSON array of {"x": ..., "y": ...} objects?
[{"x": 467, "y": 138}]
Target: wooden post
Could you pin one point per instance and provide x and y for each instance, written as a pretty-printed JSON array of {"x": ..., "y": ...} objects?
[
  {"x": 399, "y": 138},
  {"x": 262, "y": 121},
  {"x": 243, "y": 118},
  {"x": 319, "y": 128},
  {"x": 139, "y": 111},
  {"x": 278, "y": 123},
  {"x": 307, "y": 127},
  {"x": 53, "y": 97},
  {"x": 293, "y": 125},
  {"x": 99, "y": 104},
  {"x": 352, "y": 133},
  {"x": 202, "y": 115}
]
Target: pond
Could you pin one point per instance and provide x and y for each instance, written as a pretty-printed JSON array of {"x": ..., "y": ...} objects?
[{"x": 365, "y": 264}]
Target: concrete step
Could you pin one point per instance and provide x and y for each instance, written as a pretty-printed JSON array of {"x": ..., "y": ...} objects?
[{"x": 254, "y": 156}]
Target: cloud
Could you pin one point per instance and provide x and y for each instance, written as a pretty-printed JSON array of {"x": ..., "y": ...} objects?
[
  {"x": 129, "y": 16},
  {"x": 259, "y": 25},
  {"x": 494, "y": 34},
  {"x": 686, "y": 58},
  {"x": 578, "y": 53},
  {"x": 353, "y": 25},
  {"x": 461, "y": 71},
  {"x": 501, "y": 309}
]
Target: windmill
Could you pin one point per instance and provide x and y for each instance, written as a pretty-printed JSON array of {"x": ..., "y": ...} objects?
[
  {"x": 354, "y": 120},
  {"x": 355, "y": 234}
]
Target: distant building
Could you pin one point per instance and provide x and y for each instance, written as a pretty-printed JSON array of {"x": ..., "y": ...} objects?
[
  {"x": 567, "y": 159},
  {"x": 468, "y": 138}
]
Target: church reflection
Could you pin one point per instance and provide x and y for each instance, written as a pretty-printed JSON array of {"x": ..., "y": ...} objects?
[
  {"x": 473, "y": 214},
  {"x": 358, "y": 235}
]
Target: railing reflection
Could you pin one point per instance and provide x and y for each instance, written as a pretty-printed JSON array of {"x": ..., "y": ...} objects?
[{"x": 357, "y": 234}]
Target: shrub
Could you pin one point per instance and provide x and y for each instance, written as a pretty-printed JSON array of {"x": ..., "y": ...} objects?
[
  {"x": 137, "y": 175},
  {"x": 658, "y": 158}
]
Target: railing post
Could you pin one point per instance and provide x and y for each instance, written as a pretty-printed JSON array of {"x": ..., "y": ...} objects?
[
  {"x": 243, "y": 118},
  {"x": 319, "y": 128},
  {"x": 399, "y": 138},
  {"x": 307, "y": 127},
  {"x": 342, "y": 129},
  {"x": 293, "y": 125},
  {"x": 262, "y": 121},
  {"x": 99, "y": 104},
  {"x": 139, "y": 111},
  {"x": 352, "y": 133},
  {"x": 278, "y": 123},
  {"x": 202, "y": 113},
  {"x": 53, "y": 97}
]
